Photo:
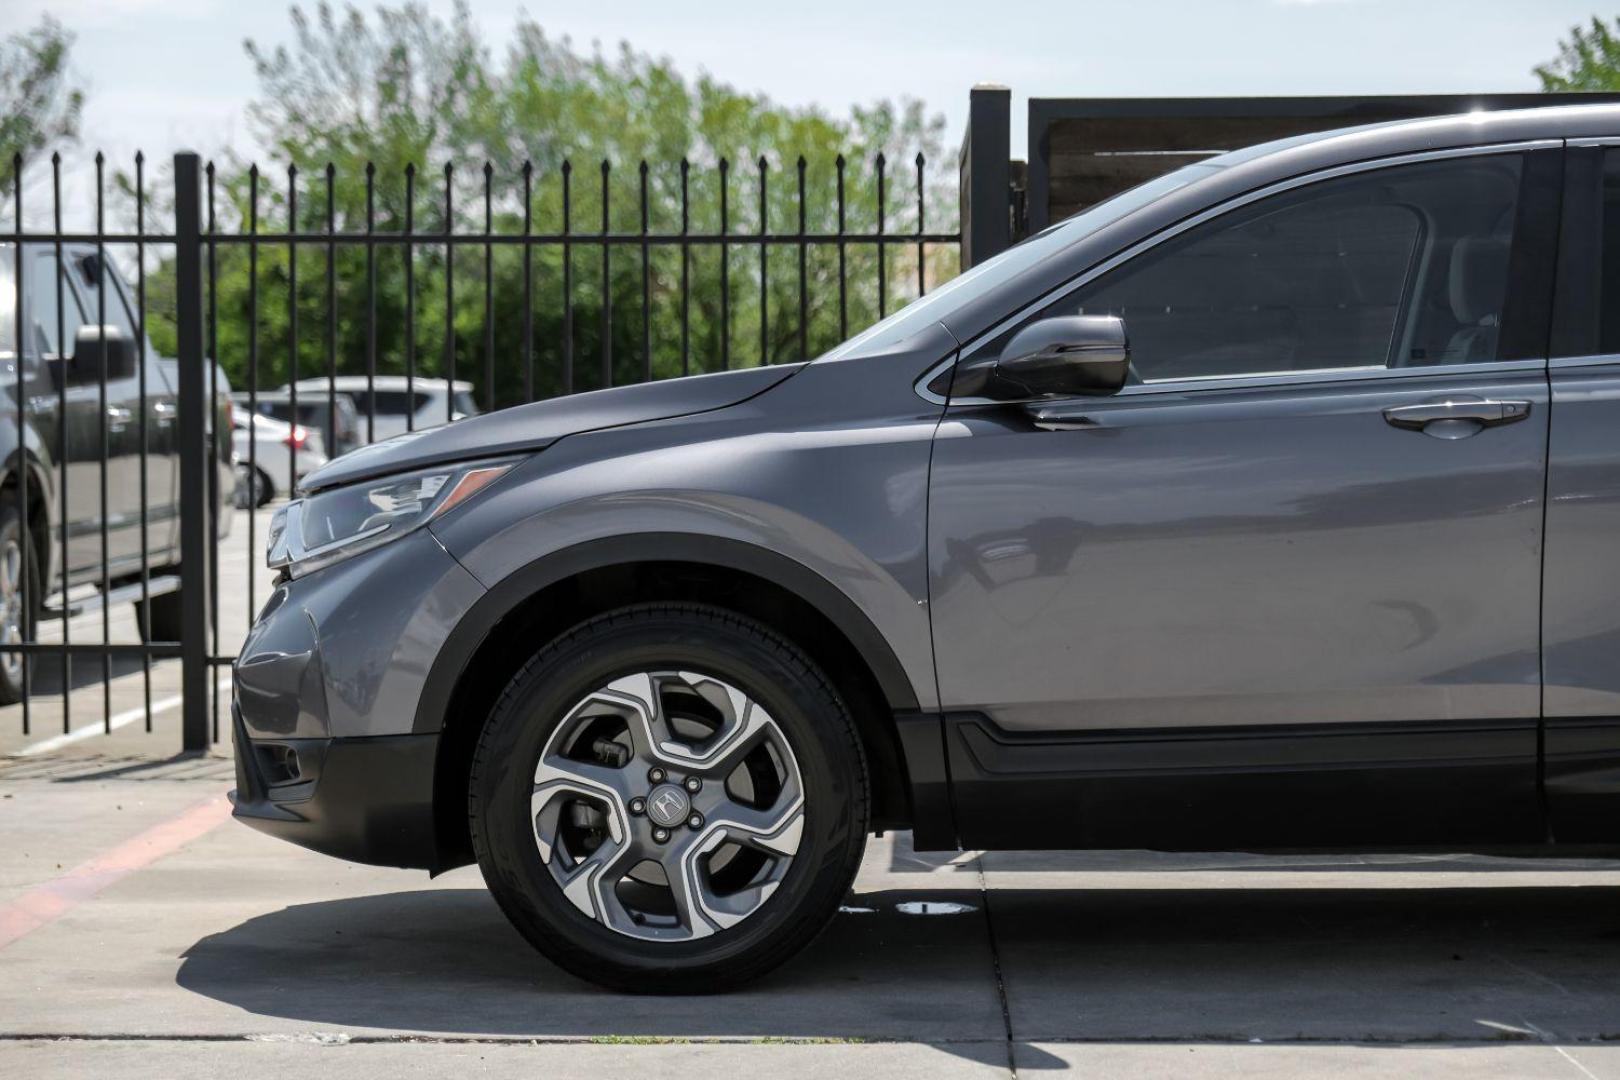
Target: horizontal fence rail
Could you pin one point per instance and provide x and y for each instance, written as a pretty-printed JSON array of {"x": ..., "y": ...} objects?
[{"x": 466, "y": 290}]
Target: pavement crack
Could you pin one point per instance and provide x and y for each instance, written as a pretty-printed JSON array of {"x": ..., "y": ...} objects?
[{"x": 995, "y": 966}]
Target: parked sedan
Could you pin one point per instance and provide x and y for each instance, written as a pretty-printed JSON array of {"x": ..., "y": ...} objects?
[
  {"x": 272, "y": 456},
  {"x": 1272, "y": 505}
]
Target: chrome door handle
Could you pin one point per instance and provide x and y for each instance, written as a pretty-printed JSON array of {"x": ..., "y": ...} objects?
[{"x": 1481, "y": 412}]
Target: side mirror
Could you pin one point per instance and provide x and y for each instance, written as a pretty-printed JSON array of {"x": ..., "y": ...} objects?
[
  {"x": 1063, "y": 355},
  {"x": 101, "y": 352}
]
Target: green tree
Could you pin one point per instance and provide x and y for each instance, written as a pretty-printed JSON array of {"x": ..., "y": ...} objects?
[
  {"x": 39, "y": 103},
  {"x": 378, "y": 105},
  {"x": 1588, "y": 60}
]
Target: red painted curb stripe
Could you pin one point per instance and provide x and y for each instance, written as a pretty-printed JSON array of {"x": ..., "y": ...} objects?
[{"x": 57, "y": 897}]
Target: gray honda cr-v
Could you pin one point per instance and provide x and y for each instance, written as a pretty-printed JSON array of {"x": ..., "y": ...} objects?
[{"x": 1272, "y": 504}]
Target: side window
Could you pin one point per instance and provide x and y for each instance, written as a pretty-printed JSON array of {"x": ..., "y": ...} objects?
[
  {"x": 48, "y": 321},
  {"x": 392, "y": 403},
  {"x": 90, "y": 276},
  {"x": 1401, "y": 266}
]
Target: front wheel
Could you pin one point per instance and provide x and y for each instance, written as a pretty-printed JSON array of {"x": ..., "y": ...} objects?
[
  {"x": 669, "y": 799},
  {"x": 19, "y": 601}
]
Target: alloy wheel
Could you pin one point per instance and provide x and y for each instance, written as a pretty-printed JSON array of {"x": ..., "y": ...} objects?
[
  {"x": 12, "y": 569},
  {"x": 667, "y": 805}
]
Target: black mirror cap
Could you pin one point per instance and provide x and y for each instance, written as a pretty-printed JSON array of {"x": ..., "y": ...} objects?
[
  {"x": 101, "y": 352},
  {"x": 1063, "y": 356}
]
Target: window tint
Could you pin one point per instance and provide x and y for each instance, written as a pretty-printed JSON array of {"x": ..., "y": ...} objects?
[
  {"x": 386, "y": 402},
  {"x": 465, "y": 405},
  {"x": 1401, "y": 266},
  {"x": 88, "y": 272},
  {"x": 42, "y": 287}
]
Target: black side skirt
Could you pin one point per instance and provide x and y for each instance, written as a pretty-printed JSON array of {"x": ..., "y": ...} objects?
[{"x": 1300, "y": 786}]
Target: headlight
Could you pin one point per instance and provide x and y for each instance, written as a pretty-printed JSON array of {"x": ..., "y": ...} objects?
[{"x": 317, "y": 531}]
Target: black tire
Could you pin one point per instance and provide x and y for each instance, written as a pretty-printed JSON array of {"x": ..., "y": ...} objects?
[
  {"x": 159, "y": 618},
  {"x": 264, "y": 490},
  {"x": 716, "y": 642},
  {"x": 12, "y": 673}
]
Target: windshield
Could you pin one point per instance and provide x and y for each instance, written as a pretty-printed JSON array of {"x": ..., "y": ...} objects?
[{"x": 969, "y": 286}]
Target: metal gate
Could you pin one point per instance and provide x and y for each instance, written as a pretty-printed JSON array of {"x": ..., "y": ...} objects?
[{"x": 134, "y": 437}]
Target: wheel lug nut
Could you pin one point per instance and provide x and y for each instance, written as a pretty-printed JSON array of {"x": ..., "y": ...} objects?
[
  {"x": 696, "y": 821},
  {"x": 638, "y": 806},
  {"x": 661, "y": 835},
  {"x": 655, "y": 776},
  {"x": 693, "y": 784}
]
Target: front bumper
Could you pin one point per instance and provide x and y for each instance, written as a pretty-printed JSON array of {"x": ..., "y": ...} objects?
[
  {"x": 367, "y": 799},
  {"x": 325, "y": 697}
]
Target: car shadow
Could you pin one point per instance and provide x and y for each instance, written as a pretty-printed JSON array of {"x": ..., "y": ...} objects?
[
  {"x": 446, "y": 961},
  {"x": 50, "y": 672},
  {"x": 1394, "y": 965}
]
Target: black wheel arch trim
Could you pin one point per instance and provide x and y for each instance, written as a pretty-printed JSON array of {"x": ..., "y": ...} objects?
[{"x": 507, "y": 594}]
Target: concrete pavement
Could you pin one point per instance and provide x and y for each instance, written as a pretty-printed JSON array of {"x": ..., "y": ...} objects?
[{"x": 238, "y": 952}]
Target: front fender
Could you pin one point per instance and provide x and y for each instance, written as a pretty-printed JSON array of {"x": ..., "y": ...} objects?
[
  {"x": 510, "y": 592},
  {"x": 820, "y": 484}
]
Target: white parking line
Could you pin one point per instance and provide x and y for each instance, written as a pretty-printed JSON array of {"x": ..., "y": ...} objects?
[{"x": 123, "y": 719}]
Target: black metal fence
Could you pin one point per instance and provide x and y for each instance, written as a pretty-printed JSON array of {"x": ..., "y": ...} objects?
[{"x": 525, "y": 285}]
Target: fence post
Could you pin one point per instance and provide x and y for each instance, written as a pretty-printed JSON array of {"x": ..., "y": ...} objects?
[
  {"x": 985, "y": 175},
  {"x": 194, "y": 487}
]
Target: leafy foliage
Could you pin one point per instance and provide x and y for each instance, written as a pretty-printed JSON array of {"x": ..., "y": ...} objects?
[
  {"x": 1588, "y": 60},
  {"x": 406, "y": 120},
  {"x": 39, "y": 104}
]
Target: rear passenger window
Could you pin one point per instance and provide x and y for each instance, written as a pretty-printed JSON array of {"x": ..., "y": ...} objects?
[{"x": 1402, "y": 266}]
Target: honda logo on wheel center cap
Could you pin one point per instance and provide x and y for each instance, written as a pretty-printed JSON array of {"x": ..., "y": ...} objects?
[{"x": 667, "y": 806}]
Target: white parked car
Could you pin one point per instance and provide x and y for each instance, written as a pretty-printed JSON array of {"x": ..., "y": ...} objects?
[
  {"x": 399, "y": 405},
  {"x": 272, "y": 456}
]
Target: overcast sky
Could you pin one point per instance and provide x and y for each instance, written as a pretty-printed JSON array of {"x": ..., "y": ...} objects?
[{"x": 163, "y": 74}]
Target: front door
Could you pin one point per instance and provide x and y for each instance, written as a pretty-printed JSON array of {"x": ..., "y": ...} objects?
[
  {"x": 1283, "y": 589},
  {"x": 100, "y": 424}
]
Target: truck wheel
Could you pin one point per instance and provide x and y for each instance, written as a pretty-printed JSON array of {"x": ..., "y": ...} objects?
[
  {"x": 19, "y": 601},
  {"x": 159, "y": 618},
  {"x": 669, "y": 798}
]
